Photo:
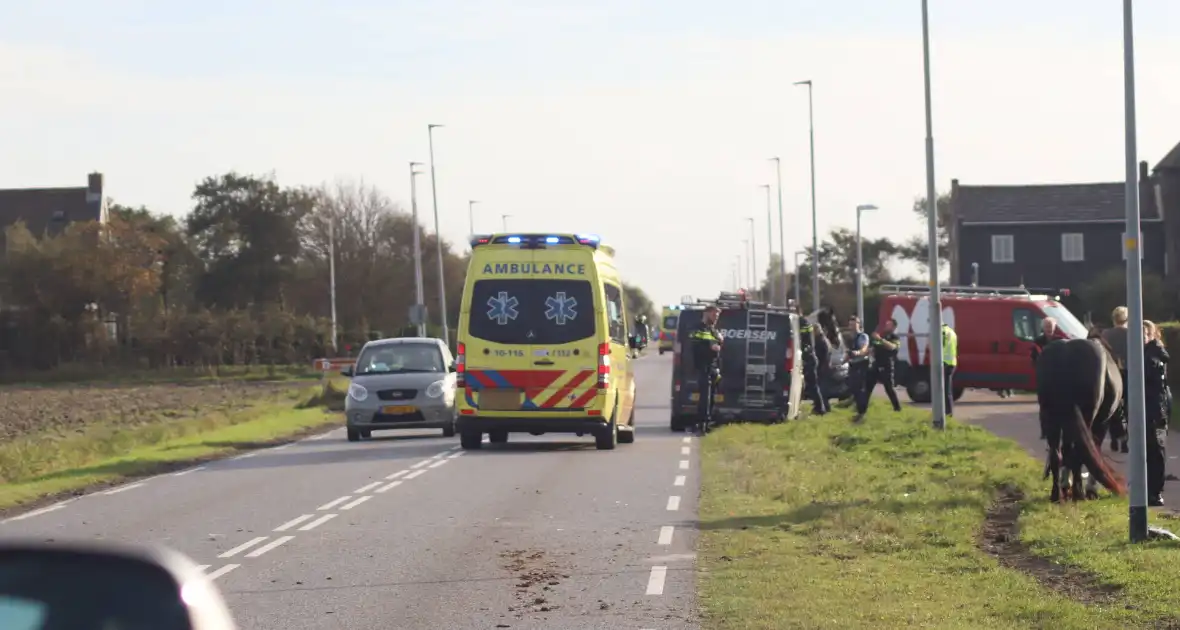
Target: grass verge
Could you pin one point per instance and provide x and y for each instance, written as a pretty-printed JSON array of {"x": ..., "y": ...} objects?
[
  {"x": 40, "y": 467},
  {"x": 74, "y": 374},
  {"x": 825, "y": 524}
]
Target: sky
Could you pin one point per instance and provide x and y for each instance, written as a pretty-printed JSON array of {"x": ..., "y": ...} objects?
[{"x": 649, "y": 122}]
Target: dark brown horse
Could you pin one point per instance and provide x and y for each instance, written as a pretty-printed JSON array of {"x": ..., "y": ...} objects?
[{"x": 1079, "y": 391}]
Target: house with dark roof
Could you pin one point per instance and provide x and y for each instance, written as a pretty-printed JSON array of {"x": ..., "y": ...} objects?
[
  {"x": 1166, "y": 177},
  {"x": 49, "y": 210},
  {"x": 1051, "y": 236}
]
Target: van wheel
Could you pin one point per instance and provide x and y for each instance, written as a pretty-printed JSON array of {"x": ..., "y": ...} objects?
[
  {"x": 607, "y": 439},
  {"x": 449, "y": 430},
  {"x": 354, "y": 435},
  {"x": 627, "y": 433},
  {"x": 661, "y": 352},
  {"x": 498, "y": 437},
  {"x": 470, "y": 440},
  {"x": 676, "y": 423},
  {"x": 959, "y": 392},
  {"x": 918, "y": 389}
]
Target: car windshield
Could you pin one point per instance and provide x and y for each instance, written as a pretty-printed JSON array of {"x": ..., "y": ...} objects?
[
  {"x": 392, "y": 358},
  {"x": 1065, "y": 320},
  {"x": 537, "y": 312},
  {"x": 670, "y": 322}
]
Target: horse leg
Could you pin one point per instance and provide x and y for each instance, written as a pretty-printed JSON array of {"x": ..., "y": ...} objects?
[{"x": 1077, "y": 493}]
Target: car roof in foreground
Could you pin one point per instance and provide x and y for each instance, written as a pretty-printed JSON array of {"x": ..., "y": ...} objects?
[{"x": 404, "y": 341}]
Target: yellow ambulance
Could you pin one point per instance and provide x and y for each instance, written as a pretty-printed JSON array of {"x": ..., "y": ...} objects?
[{"x": 543, "y": 341}]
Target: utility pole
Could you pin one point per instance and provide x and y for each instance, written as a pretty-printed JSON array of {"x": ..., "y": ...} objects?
[
  {"x": 332, "y": 278},
  {"x": 442, "y": 275},
  {"x": 419, "y": 291},
  {"x": 471, "y": 214},
  {"x": 937, "y": 384},
  {"x": 769, "y": 297},
  {"x": 782, "y": 243},
  {"x": 814, "y": 220}
]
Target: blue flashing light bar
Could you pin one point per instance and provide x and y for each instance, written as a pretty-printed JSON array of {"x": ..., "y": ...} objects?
[
  {"x": 535, "y": 241},
  {"x": 515, "y": 240},
  {"x": 552, "y": 240}
]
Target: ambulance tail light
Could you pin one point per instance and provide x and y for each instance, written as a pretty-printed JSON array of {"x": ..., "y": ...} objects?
[
  {"x": 461, "y": 366},
  {"x": 603, "y": 365},
  {"x": 591, "y": 240},
  {"x": 480, "y": 239}
]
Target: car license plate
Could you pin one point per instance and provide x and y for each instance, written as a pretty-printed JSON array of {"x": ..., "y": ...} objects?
[
  {"x": 717, "y": 398},
  {"x": 397, "y": 410},
  {"x": 500, "y": 399}
]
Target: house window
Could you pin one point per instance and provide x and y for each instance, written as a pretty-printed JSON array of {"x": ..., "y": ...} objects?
[
  {"x": 1073, "y": 247},
  {"x": 1123, "y": 245},
  {"x": 1003, "y": 248}
]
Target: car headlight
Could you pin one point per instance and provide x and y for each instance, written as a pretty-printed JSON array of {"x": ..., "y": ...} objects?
[
  {"x": 357, "y": 392},
  {"x": 436, "y": 389}
]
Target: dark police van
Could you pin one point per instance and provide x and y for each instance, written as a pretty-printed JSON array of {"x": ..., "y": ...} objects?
[{"x": 761, "y": 363}]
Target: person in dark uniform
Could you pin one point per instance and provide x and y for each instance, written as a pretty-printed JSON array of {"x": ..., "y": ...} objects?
[
  {"x": 858, "y": 367},
  {"x": 1158, "y": 399},
  {"x": 706, "y": 355},
  {"x": 1116, "y": 338},
  {"x": 885, "y": 348},
  {"x": 809, "y": 346}
]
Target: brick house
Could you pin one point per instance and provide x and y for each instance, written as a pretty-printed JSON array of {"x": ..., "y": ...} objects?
[
  {"x": 1051, "y": 236},
  {"x": 48, "y": 210}
]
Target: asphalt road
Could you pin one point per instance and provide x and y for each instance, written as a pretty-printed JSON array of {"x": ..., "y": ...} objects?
[
  {"x": 1016, "y": 418},
  {"x": 411, "y": 532}
]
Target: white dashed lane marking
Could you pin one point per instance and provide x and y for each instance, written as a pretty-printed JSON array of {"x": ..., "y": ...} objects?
[
  {"x": 415, "y": 474},
  {"x": 666, "y": 535},
  {"x": 684, "y": 450},
  {"x": 334, "y": 502},
  {"x": 397, "y": 474},
  {"x": 684, "y": 464},
  {"x": 367, "y": 487},
  {"x": 420, "y": 464},
  {"x": 389, "y": 486},
  {"x": 355, "y": 502},
  {"x": 268, "y": 546},
  {"x": 679, "y": 481},
  {"x": 222, "y": 571},
  {"x": 242, "y": 547},
  {"x": 438, "y": 463},
  {"x": 316, "y": 523},
  {"x": 673, "y": 503},
  {"x": 687, "y": 440},
  {"x": 293, "y": 522},
  {"x": 655, "y": 581}
]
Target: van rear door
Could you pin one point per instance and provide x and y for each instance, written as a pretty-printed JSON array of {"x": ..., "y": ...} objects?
[
  {"x": 566, "y": 323},
  {"x": 753, "y": 357}
]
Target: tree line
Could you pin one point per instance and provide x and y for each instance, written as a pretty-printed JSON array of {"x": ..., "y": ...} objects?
[
  {"x": 242, "y": 279},
  {"x": 837, "y": 273}
]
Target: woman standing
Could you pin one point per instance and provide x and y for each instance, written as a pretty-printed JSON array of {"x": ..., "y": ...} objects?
[{"x": 1158, "y": 403}]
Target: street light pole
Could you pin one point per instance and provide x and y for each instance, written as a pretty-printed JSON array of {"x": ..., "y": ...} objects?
[
  {"x": 769, "y": 297},
  {"x": 860, "y": 266},
  {"x": 1136, "y": 413},
  {"x": 471, "y": 214},
  {"x": 442, "y": 276},
  {"x": 332, "y": 278},
  {"x": 937, "y": 385},
  {"x": 798, "y": 298},
  {"x": 814, "y": 220},
  {"x": 741, "y": 268},
  {"x": 419, "y": 291},
  {"x": 753, "y": 259},
  {"x": 504, "y": 221},
  {"x": 782, "y": 244}
]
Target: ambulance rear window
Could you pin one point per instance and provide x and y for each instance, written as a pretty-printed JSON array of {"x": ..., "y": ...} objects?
[
  {"x": 527, "y": 311},
  {"x": 670, "y": 322}
]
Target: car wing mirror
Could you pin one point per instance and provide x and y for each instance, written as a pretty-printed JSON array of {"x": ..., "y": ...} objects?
[
  {"x": 102, "y": 585},
  {"x": 347, "y": 371},
  {"x": 452, "y": 367}
]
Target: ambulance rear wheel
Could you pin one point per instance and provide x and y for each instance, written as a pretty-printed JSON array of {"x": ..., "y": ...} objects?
[
  {"x": 606, "y": 439},
  {"x": 470, "y": 440},
  {"x": 627, "y": 434},
  {"x": 661, "y": 352}
]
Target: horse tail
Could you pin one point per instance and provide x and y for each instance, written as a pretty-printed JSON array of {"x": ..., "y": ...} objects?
[{"x": 1095, "y": 462}]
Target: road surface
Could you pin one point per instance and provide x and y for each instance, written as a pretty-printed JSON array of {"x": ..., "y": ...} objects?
[
  {"x": 1016, "y": 418},
  {"x": 410, "y": 531}
]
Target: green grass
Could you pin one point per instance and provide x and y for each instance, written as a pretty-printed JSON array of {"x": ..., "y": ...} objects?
[
  {"x": 70, "y": 374},
  {"x": 825, "y": 524},
  {"x": 45, "y": 465}
]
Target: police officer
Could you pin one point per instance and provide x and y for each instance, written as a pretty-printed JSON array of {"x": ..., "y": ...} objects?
[
  {"x": 706, "y": 356},
  {"x": 1158, "y": 397},
  {"x": 858, "y": 367},
  {"x": 810, "y": 346},
  {"x": 950, "y": 359},
  {"x": 641, "y": 329},
  {"x": 885, "y": 347}
]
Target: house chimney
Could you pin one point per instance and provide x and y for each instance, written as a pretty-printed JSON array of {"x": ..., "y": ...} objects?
[
  {"x": 94, "y": 183},
  {"x": 1144, "y": 173}
]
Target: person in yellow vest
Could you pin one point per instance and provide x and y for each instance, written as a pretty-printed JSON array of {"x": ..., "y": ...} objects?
[{"x": 950, "y": 358}]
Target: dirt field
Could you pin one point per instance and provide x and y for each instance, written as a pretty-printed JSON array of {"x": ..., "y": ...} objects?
[{"x": 27, "y": 410}]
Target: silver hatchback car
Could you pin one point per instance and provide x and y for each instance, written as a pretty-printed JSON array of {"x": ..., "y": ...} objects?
[{"x": 403, "y": 383}]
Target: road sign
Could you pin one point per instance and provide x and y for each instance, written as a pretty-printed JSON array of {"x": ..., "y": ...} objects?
[
  {"x": 418, "y": 314},
  {"x": 329, "y": 365}
]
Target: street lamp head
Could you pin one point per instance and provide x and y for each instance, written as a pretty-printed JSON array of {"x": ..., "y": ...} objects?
[
  {"x": 774, "y": 159},
  {"x": 866, "y": 206},
  {"x": 432, "y": 126},
  {"x": 807, "y": 82}
]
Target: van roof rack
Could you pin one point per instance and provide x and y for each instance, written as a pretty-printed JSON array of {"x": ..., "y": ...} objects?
[{"x": 976, "y": 291}]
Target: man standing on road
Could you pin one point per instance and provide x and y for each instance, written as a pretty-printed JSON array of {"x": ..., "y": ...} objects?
[
  {"x": 1116, "y": 337},
  {"x": 706, "y": 355},
  {"x": 950, "y": 359},
  {"x": 811, "y": 388},
  {"x": 858, "y": 367},
  {"x": 885, "y": 348}
]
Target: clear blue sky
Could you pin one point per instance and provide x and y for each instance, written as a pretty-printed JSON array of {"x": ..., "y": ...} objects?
[{"x": 645, "y": 121}]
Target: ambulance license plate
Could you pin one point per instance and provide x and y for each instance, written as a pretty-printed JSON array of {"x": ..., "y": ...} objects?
[{"x": 500, "y": 399}]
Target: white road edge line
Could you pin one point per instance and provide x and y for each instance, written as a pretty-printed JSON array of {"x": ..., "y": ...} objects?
[
  {"x": 247, "y": 455},
  {"x": 202, "y": 567},
  {"x": 242, "y": 547},
  {"x": 367, "y": 487},
  {"x": 666, "y": 535},
  {"x": 123, "y": 488},
  {"x": 420, "y": 464},
  {"x": 684, "y": 464},
  {"x": 455, "y": 448},
  {"x": 316, "y": 523},
  {"x": 454, "y": 455},
  {"x": 679, "y": 481},
  {"x": 438, "y": 463},
  {"x": 397, "y": 474},
  {"x": 268, "y": 546},
  {"x": 185, "y": 472},
  {"x": 655, "y": 581},
  {"x": 356, "y": 502},
  {"x": 389, "y": 486},
  {"x": 222, "y": 571},
  {"x": 279, "y": 448},
  {"x": 684, "y": 450},
  {"x": 416, "y": 473},
  {"x": 39, "y": 512},
  {"x": 673, "y": 503},
  {"x": 334, "y": 502},
  {"x": 293, "y": 522}
]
